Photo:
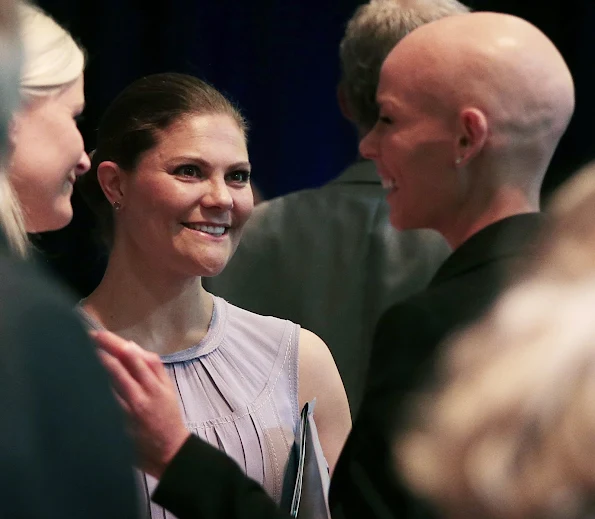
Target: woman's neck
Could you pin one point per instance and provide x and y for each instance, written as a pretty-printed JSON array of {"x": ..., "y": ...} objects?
[{"x": 160, "y": 311}]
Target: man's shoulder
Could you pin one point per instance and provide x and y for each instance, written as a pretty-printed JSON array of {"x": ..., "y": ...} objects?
[
  {"x": 358, "y": 184},
  {"x": 322, "y": 215},
  {"x": 328, "y": 199}
]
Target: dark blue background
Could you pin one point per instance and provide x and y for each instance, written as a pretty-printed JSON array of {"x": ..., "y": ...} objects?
[{"x": 277, "y": 59}]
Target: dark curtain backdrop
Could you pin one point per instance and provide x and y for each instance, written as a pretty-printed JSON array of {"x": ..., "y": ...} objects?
[{"x": 279, "y": 61}]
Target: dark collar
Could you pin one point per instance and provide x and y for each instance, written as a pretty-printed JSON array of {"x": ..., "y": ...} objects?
[
  {"x": 361, "y": 172},
  {"x": 511, "y": 237}
]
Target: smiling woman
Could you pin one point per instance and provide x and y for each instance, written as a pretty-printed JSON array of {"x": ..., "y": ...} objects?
[
  {"x": 43, "y": 180},
  {"x": 62, "y": 438},
  {"x": 183, "y": 209},
  {"x": 170, "y": 183},
  {"x": 47, "y": 149}
]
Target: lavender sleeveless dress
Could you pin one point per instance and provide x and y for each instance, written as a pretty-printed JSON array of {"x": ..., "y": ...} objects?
[{"x": 238, "y": 390}]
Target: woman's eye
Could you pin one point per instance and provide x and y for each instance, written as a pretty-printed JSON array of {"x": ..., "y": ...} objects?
[
  {"x": 239, "y": 176},
  {"x": 187, "y": 170},
  {"x": 385, "y": 120}
]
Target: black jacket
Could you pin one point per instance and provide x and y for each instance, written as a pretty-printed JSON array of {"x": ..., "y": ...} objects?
[
  {"x": 405, "y": 347},
  {"x": 63, "y": 451}
]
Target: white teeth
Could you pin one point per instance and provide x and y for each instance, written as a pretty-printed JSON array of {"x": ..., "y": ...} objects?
[
  {"x": 215, "y": 230},
  {"x": 388, "y": 183}
]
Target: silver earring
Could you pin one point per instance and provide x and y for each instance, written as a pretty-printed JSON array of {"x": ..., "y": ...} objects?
[
  {"x": 117, "y": 206},
  {"x": 458, "y": 161}
]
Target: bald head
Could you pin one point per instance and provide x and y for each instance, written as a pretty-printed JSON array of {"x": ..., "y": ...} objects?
[
  {"x": 499, "y": 65},
  {"x": 472, "y": 107}
]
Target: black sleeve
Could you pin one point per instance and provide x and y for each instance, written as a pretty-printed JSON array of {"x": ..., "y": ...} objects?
[{"x": 203, "y": 482}]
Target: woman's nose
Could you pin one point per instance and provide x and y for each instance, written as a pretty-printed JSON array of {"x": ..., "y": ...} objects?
[{"x": 83, "y": 164}]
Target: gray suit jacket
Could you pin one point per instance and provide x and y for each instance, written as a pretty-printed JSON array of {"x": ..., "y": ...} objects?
[{"x": 329, "y": 260}]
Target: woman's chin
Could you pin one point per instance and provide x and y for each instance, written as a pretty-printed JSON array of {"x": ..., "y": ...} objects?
[
  {"x": 49, "y": 220},
  {"x": 209, "y": 267},
  {"x": 211, "y": 271}
]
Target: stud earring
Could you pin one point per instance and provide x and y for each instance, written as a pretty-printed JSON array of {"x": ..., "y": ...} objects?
[
  {"x": 117, "y": 206},
  {"x": 458, "y": 161}
]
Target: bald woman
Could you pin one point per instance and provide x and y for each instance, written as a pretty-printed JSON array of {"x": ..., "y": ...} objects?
[{"x": 472, "y": 108}]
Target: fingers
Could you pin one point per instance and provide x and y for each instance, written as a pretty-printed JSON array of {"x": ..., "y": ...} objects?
[
  {"x": 125, "y": 386},
  {"x": 112, "y": 343},
  {"x": 123, "y": 403},
  {"x": 146, "y": 393},
  {"x": 145, "y": 367}
]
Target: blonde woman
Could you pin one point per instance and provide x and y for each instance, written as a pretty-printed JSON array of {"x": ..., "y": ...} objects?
[
  {"x": 47, "y": 148},
  {"x": 62, "y": 445}
]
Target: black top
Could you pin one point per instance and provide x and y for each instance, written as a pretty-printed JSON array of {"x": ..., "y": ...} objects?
[{"x": 63, "y": 451}]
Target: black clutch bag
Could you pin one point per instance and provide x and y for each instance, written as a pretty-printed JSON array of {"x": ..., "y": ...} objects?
[{"x": 307, "y": 479}]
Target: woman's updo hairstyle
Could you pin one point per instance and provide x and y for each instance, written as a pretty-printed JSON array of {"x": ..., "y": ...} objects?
[{"x": 132, "y": 123}]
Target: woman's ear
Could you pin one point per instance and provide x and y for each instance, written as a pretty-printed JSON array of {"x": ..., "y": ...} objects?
[
  {"x": 473, "y": 133},
  {"x": 112, "y": 180}
]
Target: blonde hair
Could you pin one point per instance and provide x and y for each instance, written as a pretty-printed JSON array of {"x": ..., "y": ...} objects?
[
  {"x": 507, "y": 432},
  {"x": 52, "y": 61},
  {"x": 11, "y": 220}
]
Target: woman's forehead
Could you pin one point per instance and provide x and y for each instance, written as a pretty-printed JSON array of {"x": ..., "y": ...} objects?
[{"x": 202, "y": 135}]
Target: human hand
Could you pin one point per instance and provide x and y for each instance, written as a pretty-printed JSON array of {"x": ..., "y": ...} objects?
[{"x": 148, "y": 398}]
